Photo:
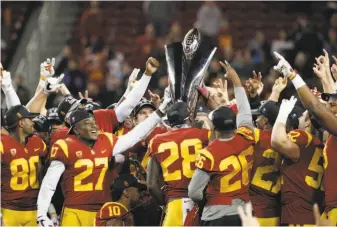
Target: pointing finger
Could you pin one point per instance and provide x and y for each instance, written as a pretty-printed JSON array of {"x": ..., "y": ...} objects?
[{"x": 278, "y": 56}]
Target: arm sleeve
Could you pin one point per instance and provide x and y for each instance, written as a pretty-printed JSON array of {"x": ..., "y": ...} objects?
[
  {"x": 12, "y": 99},
  {"x": 126, "y": 107},
  {"x": 135, "y": 135},
  {"x": 244, "y": 117},
  {"x": 197, "y": 185},
  {"x": 48, "y": 186}
]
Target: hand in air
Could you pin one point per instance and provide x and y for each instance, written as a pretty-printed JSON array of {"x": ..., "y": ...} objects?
[
  {"x": 287, "y": 106},
  {"x": 282, "y": 66},
  {"x": 52, "y": 84},
  {"x": 246, "y": 215},
  {"x": 280, "y": 84},
  {"x": 151, "y": 66}
]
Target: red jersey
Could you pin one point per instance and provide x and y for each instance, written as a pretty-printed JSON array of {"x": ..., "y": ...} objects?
[
  {"x": 87, "y": 176},
  {"x": 139, "y": 151},
  {"x": 20, "y": 168},
  {"x": 176, "y": 153},
  {"x": 329, "y": 180},
  {"x": 105, "y": 119},
  {"x": 301, "y": 180},
  {"x": 266, "y": 181},
  {"x": 229, "y": 163},
  {"x": 114, "y": 210}
]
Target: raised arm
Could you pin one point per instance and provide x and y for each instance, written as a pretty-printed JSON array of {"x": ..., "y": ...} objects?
[
  {"x": 279, "y": 85},
  {"x": 321, "y": 113},
  {"x": 279, "y": 139},
  {"x": 133, "y": 97},
  {"x": 139, "y": 132},
  {"x": 12, "y": 99},
  {"x": 244, "y": 117}
]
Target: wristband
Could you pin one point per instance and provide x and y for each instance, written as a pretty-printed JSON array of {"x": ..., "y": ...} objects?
[
  {"x": 292, "y": 75},
  {"x": 298, "y": 81}
]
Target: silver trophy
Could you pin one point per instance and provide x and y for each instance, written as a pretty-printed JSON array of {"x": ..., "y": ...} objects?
[{"x": 187, "y": 66}]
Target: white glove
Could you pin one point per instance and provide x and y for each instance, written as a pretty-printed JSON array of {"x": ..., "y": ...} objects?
[
  {"x": 44, "y": 221},
  {"x": 167, "y": 92},
  {"x": 164, "y": 105},
  {"x": 52, "y": 84},
  {"x": 55, "y": 220},
  {"x": 46, "y": 70},
  {"x": 246, "y": 215},
  {"x": 132, "y": 81},
  {"x": 283, "y": 66},
  {"x": 285, "y": 109},
  {"x": 6, "y": 81}
]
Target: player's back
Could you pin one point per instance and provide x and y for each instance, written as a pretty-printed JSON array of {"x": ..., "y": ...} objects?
[
  {"x": 229, "y": 164},
  {"x": 301, "y": 180},
  {"x": 20, "y": 171},
  {"x": 265, "y": 182},
  {"x": 176, "y": 152},
  {"x": 330, "y": 185}
]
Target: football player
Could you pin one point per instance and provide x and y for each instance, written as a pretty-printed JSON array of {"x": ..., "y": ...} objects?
[
  {"x": 107, "y": 119},
  {"x": 126, "y": 193},
  {"x": 140, "y": 113},
  {"x": 265, "y": 184},
  {"x": 302, "y": 167},
  {"x": 224, "y": 166},
  {"x": 328, "y": 120},
  {"x": 172, "y": 161},
  {"x": 86, "y": 162},
  {"x": 54, "y": 120},
  {"x": 21, "y": 153}
]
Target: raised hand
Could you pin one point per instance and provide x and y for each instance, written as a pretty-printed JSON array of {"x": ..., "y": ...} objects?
[
  {"x": 254, "y": 85},
  {"x": 52, "y": 84},
  {"x": 319, "y": 69},
  {"x": 151, "y": 66},
  {"x": 47, "y": 68},
  {"x": 283, "y": 66},
  {"x": 246, "y": 215},
  {"x": 163, "y": 107},
  {"x": 6, "y": 80},
  {"x": 154, "y": 98},
  {"x": 86, "y": 96},
  {"x": 230, "y": 72},
  {"x": 280, "y": 84},
  {"x": 287, "y": 106}
]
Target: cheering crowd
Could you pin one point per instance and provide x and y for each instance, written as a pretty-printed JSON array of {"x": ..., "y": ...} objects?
[{"x": 243, "y": 161}]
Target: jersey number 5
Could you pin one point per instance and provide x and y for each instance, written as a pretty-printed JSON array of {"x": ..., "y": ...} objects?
[
  {"x": 90, "y": 166},
  {"x": 188, "y": 158}
]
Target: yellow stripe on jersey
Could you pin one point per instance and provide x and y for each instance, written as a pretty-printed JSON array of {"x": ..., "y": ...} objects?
[
  {"x": 112, "y": 203},
  {"x": 110, "y": 137},
  {"x": 309, "y": 138},
  {"x": 120, "y": 131},
  {"x": 208, "y": 155},
  {"x": 64, "y": 147},
  {"x": 209, "y": 134},
  {"x": 1, "y": 147},
  {"x": 257, "y": 135},
  {"x": 44, "y": 146},
  {"x": 325, "y": 156}
]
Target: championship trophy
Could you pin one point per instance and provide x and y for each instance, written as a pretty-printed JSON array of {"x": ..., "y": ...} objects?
[{"x": 187, "y": 65}]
